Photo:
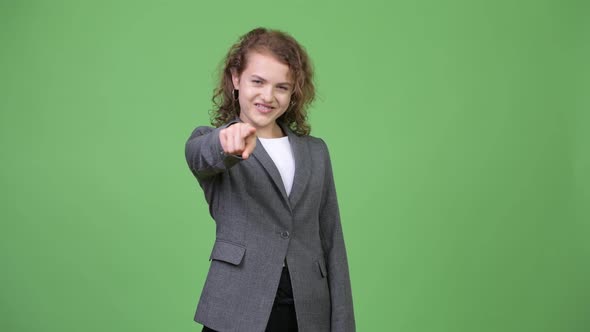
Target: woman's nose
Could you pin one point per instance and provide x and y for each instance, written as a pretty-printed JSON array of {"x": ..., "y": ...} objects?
[{"x": 267, "y": 93}]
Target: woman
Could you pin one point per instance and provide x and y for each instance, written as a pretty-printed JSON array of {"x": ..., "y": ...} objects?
[{"x": 279, "y": 260}]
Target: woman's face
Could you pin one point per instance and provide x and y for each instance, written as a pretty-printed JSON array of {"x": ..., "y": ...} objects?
[{"x": 265, "y": 89}]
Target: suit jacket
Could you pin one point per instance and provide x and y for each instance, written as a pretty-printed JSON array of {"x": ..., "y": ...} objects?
[{"x": 258, "y": 226}]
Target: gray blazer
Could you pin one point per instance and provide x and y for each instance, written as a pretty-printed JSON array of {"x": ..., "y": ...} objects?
[{"x": 258, "y": 226}]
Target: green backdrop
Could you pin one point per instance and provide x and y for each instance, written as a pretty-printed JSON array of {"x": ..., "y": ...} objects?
[{"x": 458, "y": 131}]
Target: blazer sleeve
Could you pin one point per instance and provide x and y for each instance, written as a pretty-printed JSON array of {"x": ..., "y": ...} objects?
[
  {"x": 204, "y": 153},
  {"x": 335, "y": 255}
]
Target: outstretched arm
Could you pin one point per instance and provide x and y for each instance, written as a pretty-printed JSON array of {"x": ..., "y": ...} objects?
[{"x": 209, "y": 151}]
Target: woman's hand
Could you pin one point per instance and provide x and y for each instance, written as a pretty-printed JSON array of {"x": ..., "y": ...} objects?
[{"x": 238, "y": 139}]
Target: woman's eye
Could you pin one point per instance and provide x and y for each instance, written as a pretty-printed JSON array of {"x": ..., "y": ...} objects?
[
  {"x": 257, "y": 81},
  {"x": 283, "y": 88}
]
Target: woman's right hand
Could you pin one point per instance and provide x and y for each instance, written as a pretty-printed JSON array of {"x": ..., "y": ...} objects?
[{"x": 238, "y": 139}]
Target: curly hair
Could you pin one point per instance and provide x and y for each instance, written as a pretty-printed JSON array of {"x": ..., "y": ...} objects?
[{"x": 286, "y": 50}]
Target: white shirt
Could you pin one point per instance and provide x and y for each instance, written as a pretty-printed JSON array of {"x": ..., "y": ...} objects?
[{"x": 281, "y": 154}]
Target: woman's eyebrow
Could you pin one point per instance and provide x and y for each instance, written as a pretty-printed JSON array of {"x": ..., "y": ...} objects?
[
  {"x": 264, "y": 80},
  {"x": 257, "y": 77}
]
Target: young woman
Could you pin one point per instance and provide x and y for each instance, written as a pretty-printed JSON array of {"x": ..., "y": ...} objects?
[{"x": 279, "y": 261}]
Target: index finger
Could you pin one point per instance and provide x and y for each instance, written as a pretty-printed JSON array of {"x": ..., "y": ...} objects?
[{"x": 247, "y": 130}]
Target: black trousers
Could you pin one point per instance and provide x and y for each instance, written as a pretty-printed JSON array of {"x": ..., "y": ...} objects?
[{"x": 282, "y": 317}]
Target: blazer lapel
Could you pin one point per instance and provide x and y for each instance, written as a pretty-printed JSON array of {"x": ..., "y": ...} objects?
[
  {"x": 302, "y": 165},
  {"x": 270, "y": 168}
]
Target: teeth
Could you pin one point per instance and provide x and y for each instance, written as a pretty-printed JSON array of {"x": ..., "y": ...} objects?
[{"x": 263, "y": 107}]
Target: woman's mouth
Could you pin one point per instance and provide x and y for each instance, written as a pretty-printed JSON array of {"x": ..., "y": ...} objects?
[{"x": 263, "y": 108}]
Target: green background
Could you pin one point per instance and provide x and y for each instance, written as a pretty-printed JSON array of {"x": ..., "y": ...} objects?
[{"x": 458, "y": 131}]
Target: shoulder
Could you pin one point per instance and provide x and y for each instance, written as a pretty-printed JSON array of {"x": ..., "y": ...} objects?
[
  {"x": 312, "y": 141},
  {"x": 203, "y": 130},
  {"x": 318, "y": 141},
  {"x": 317, "y": 145}
]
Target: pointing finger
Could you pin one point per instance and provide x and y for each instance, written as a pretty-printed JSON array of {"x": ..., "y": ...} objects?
[
  {"x": 250, "y": 145},
  {"x": 247, "y": 130}
]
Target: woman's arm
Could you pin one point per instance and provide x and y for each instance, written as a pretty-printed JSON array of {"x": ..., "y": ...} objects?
[
  {"x": 204, "y": 152},
  {"x": 335, "y": 255}
]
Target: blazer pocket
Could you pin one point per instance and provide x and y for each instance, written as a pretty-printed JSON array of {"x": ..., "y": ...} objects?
[
  {"x": 322, "y": 267},
  {"x": 228, "y": 252}
]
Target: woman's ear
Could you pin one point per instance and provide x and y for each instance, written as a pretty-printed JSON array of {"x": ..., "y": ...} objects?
[{"x": 235, "y": 78}]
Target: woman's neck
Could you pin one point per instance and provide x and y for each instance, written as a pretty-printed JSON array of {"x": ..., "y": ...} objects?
[{"x": 274, "y": 132}]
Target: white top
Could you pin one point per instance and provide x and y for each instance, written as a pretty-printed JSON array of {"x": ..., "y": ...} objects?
[{"x": 281, "y": 154}]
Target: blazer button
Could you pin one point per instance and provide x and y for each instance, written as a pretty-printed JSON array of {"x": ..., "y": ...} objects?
[{"x": 285, "y": 235}]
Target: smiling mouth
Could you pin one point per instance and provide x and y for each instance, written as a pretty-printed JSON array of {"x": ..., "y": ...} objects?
[{"x": 264, "y": 108}]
